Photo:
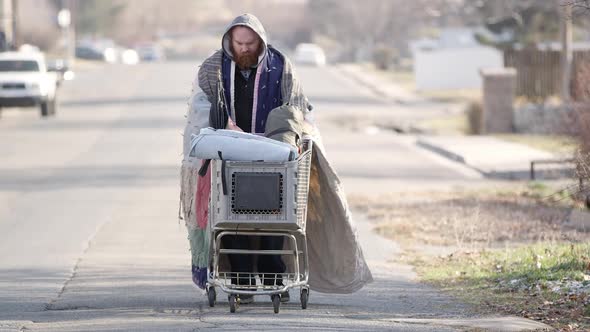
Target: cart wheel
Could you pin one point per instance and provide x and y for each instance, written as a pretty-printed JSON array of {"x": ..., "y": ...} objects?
[
  {"x": 233, "y": 303},
  {"x": 304, "y": 297},
  {"x": 276, "y": 303},
  {"x": 211, "y": 295}
]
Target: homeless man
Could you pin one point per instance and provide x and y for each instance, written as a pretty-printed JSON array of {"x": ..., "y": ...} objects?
[
  {"x": 251, "y": 72},
  {"x": 250, "y": 86}
]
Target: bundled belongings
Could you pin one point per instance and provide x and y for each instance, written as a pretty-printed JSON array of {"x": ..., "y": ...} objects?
[
  {"x": 194, "y": 208},
  {"x": 238, "y": 146},
  {"x": 287, "y": 124}
]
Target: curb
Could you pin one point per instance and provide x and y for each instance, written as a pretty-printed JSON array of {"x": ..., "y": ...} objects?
[
  {"x": 511, "y": 174},
  {"x": 446, "y": 153}
]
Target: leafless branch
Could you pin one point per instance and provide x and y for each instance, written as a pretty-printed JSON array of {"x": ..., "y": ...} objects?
[
  {"x": 578, "y": 6},
  {"x": 577, "y": 3}
]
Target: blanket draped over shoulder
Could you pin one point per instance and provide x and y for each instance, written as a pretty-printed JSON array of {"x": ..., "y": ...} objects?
[{"x": 336, "y": 261}]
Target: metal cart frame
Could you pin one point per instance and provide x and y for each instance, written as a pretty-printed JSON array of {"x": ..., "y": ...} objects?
[{"x": 244, "y": 202}]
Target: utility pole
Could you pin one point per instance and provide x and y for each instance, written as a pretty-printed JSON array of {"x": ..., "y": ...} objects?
[
  {"x": 73, "y": 8},
  {"x": 566, "y": 50},
  {"x": 15, "y": 36},
  {"x": 64, "y": 20},
  {"x": 7, "y": 25}
]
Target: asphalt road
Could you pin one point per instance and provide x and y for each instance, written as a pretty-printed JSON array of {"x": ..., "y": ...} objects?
[{"x": 90, "y": 239}]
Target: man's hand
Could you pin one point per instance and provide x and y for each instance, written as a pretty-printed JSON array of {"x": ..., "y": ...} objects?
[{"x": 232, "y": 126}]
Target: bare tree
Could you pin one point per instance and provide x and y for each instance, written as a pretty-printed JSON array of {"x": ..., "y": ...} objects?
[
  {"x": 360, "y": 26},
  {"x": 583, "y": 5},
  {"x": 566, "y": 53}
]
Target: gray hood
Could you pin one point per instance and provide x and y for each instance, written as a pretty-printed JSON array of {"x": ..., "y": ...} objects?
[{"x": 252, "y": 22}]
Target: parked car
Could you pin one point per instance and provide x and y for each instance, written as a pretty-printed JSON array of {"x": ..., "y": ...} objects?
[
  {"x": 150, "y": 52},
  {"x": 107, "y": 51},
  {"x": 97, "y": 49},
  {"x": 309, "y": 54},
  {"x": 25, "y": 82},
  {"x": 89, "y": 53}
]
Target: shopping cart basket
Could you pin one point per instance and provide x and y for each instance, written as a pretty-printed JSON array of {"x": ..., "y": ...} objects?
[{"x": 253, "y": 199}]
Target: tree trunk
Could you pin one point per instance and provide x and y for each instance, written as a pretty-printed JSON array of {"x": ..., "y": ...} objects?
[{"x": 566, "y": 50}]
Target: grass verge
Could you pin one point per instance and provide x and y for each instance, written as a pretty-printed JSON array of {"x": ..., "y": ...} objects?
[
  {"x": 455, "y": 124},
  {"x": 504, "y": 250},
  {"x": 452, "y": 96},
  {"x": 545, "y": 282},
  {"x": 551, "y": 143},
  {"x": 403, "y": 78}
]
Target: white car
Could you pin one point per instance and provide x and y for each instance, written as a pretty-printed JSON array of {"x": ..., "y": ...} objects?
[
  {"x": 25, "y": 82},
  {"x": 309, "y": 54},
  {"x": 150, "y": 52}
]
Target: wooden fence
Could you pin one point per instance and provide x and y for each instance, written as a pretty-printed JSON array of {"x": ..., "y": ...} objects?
[{"x": 539, "y": 72}]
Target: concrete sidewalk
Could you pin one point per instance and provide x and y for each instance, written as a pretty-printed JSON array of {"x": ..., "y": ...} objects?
[
  {"x": 490, "y": 156},
  {"x": 496, "y": 158},
  {"x": 380, "y": 85}
]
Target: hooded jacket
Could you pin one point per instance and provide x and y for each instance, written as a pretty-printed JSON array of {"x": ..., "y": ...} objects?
[
  {"x": 248, "y": 21},
  {"x": 267, "y": 78}
]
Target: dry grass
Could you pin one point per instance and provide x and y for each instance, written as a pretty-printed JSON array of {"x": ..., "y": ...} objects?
[
  {"x": 557, "y": 144},
  {"x": 456, "y": 124},
  {"x": 498, "y": 240},
  {"x": 468, "y": 220},
  {"x": 403, "y": 78},
  {"x": 453, "y": 96}
]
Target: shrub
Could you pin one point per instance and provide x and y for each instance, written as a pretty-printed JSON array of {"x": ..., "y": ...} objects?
[
  {"x": 475, "y": 117},
  {"x": 384, "y": 57}
]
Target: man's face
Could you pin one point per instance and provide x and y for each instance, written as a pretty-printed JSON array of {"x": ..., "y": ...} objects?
[{"x": 246, "y": 46}]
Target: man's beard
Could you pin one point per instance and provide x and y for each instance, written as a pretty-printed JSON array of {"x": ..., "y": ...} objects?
[
  {"x": 245, "y": 61},
  {"x": 248, "y": 60}
]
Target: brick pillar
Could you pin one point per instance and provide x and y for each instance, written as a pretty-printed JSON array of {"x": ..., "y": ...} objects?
[{"x": 499, "y": 88}]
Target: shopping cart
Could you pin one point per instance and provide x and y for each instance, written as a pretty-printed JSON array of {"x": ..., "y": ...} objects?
[{"x": 254, "y": 199}]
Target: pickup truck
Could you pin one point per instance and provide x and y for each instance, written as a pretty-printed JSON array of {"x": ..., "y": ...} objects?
[{"x": 25, "y": 82}]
